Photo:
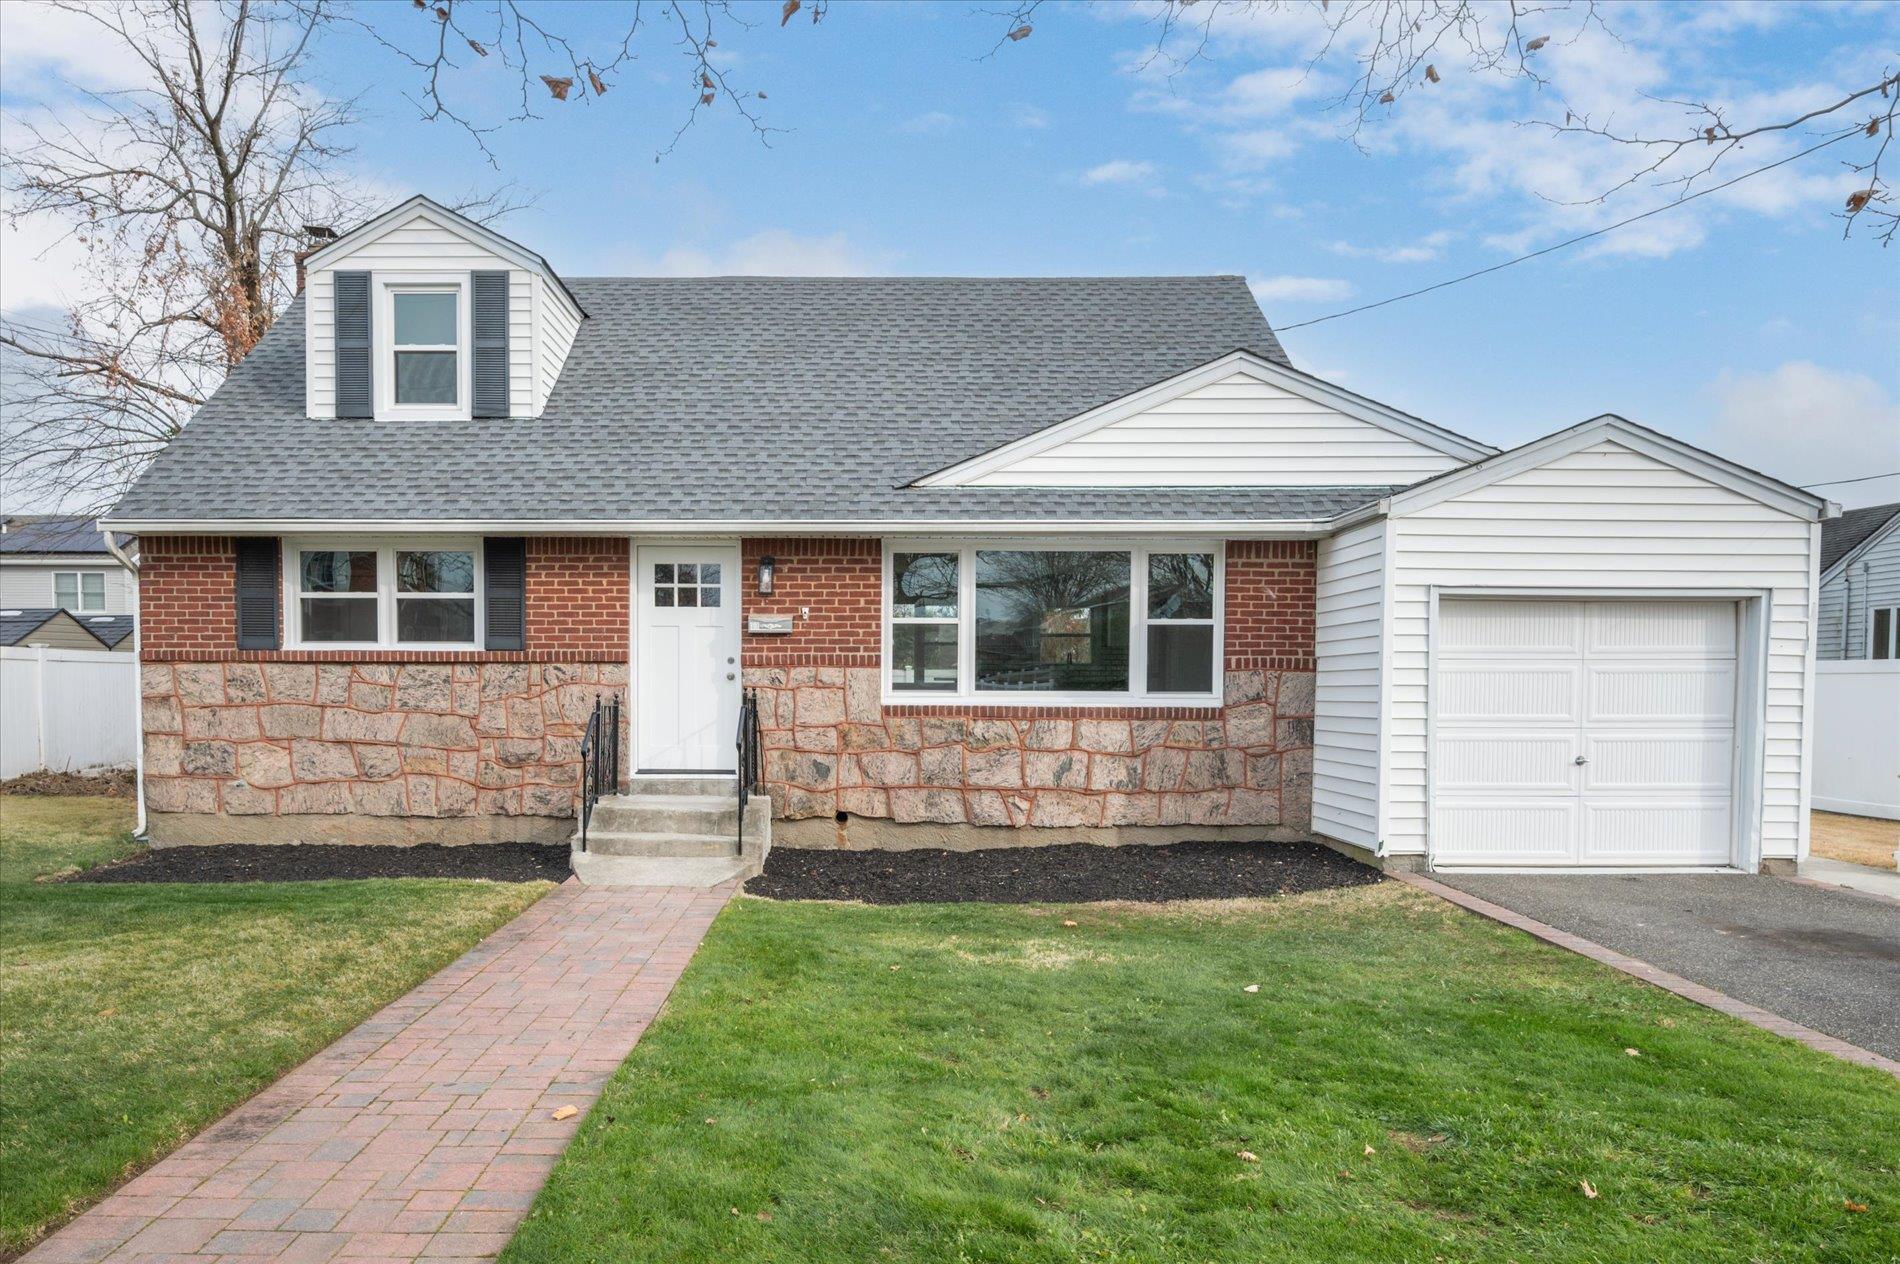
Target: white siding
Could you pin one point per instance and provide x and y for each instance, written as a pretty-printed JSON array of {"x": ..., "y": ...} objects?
[
  {"x": 1603, "y": 518},
  {"x": 30, "y": 584},
  {"x": 1872, "y": 579},
  {"x": 1239, "y": 431},
  {"x": 423, "y": 245},
  {"x": 1349, "y": 641}
]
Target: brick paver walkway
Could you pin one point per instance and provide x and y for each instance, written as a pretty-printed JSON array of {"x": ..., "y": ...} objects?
[{"x": 425, "y": 1133}]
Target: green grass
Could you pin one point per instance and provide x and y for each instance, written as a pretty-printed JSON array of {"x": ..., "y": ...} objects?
[
  {"x": 45, "y": 835},
  {"x": 132, "y": 1016},
  {"x": 969, "y": 1083}
]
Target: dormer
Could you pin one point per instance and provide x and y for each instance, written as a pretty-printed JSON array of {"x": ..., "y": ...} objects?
[{"x": 422, "y": 314}]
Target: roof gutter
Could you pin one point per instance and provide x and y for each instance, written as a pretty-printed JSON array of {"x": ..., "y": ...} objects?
[
  {"x": 1229, "y": 528},
  {"x": 138, "y": 682}
]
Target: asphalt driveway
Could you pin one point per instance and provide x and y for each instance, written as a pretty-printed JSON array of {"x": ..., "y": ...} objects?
[{"x": 1828, "y": 959}]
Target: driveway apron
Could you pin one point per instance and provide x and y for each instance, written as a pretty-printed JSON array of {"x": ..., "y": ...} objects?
[{"x": 426, "y": 1132}]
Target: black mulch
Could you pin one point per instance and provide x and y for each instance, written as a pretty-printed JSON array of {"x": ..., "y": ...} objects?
[
  {"x": 247, "y": 862},
  {"x": 1068, "y": 873}
]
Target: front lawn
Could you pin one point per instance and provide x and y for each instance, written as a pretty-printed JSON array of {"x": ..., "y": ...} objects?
[
  {"x": 132, "y": 1016},
  {"x": 984, "y": 1082}
]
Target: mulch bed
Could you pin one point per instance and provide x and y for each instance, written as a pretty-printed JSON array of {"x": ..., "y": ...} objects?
[
  {"x": 247, "y": 862},
  {"x": 117, "y": 783},
  {"x": 1067, "y": 873}
]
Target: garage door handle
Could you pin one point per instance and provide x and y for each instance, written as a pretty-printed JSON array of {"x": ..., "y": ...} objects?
[{"x": 1581, "y": 760}]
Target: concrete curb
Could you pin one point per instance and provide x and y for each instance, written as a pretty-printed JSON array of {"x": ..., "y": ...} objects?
[
  {"x": 1835, "y": 886},
  {"x": 1636, "y": 968}
]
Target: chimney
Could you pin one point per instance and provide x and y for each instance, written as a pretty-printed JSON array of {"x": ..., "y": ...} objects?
[{"x": 319, "y": 236}]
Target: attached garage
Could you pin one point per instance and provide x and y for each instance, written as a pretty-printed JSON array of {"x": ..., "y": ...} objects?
[{"x": 1593, "y": 652}]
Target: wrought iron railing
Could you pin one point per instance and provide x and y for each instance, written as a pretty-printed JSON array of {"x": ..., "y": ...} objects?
[
  {"x": 748, "y": 750},
  {"x": 600, "y": 758}
]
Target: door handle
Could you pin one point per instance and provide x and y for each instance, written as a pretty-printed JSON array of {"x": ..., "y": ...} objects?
[
  {"x": 729, "y": 676},
  {"x": 1580, "y": 760}
]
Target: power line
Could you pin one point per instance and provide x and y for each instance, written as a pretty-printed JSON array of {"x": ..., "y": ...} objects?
[
  {"x": 1865, "y": 478},
  {"x": 1607, "y": 228}
]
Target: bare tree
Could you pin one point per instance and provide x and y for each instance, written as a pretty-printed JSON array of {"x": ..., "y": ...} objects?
[{"x": 189, "y": 194}]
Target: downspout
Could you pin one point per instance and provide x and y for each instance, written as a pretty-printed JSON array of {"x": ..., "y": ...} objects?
[{"x": 138, "y": 682}]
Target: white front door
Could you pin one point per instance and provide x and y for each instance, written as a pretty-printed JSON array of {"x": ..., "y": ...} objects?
[
  {"x": 686, "y": 641},
  {"x": 1583, "y": 733}
]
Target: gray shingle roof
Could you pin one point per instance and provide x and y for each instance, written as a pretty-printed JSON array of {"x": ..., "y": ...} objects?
[
  {"x": 746, "y": 398},
  {"x": 110, "y": 628},
  {"x": 51, "y": 533},
  {"x": 16, "y": 624},
  {"x": 1841, "y": 536}
]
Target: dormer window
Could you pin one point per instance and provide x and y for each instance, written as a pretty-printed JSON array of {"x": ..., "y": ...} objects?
[{"x": 423, "y": 360}]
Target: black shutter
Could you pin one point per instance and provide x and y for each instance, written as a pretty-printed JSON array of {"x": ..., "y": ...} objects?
[
  {"x": 491, "y": 344},
  {"x": 257, "y": 592},
  {"x": 504, "y": 566},
  {"x": 353, "y": 353}
]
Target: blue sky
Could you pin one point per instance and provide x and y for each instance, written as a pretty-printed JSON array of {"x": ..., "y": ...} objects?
[{"x": 1742, "y": 322}]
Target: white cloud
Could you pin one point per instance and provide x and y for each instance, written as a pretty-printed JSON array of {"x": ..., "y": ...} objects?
[
  {"x": 39, "y": 262},
  {"x": 931, "y": 123},
  {"x": 775, "y": 252},
  {"x": 1424, "y": 250},
  {"x": 43, "y": 48},
  {"x": 1029, "y": 116},
  {"x": 1124, "y": 171},
  {"x": 1300, "y": 289},
  {"x": 1803, "y": 423}
]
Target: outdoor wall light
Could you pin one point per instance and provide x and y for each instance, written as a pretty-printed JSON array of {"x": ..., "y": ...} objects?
[{"x": 768, "y": 566}]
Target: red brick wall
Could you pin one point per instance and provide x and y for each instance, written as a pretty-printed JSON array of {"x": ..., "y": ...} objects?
[
  {"x": 188, "y": 593},
  {"x": 577, "y": 594},
  {"x": 576, "y": 589},
  {"x": 839, "y": 581},
  {"x": 1271, "y": 586}
]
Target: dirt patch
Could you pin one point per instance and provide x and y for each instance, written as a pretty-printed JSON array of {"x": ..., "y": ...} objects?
[
  {"x": 1070, "y": 873},
  {"x": 1858, "y": 840},
  {"x": 116, "y": 783},
  {"x": 289, "y": 862}
]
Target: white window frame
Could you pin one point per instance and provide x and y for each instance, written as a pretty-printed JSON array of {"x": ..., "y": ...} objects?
[
  {"x": 386, "y": 595},
  {"x": 79, "y": 592},
  {"x": 966, "y": 694},
  {"x": 386, "y": 285},
  {"x": 1893, "y": 632}
]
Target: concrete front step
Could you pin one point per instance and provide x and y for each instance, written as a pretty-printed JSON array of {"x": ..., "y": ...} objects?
[
  {"x": 648, "y": 783},
  {"x": 597, "y": 870},
  {"x": 624, "y": 843},
  {"x": 667, "y": 814}
]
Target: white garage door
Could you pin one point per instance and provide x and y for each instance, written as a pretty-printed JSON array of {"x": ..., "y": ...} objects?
[{"x": 1597, "y": 733}]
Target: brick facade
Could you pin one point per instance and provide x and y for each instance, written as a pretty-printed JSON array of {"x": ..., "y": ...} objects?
[
  {"x": 833, "y": 746},
  {"x": 440, "y": 737}
]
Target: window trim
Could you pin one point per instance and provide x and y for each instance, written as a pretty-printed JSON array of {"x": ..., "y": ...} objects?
[
  {"x": 1893, "y": 633},
  {"x": 384, "y": 286},
  {"x": 79, "y": 592},
  {"x": 385, "y": 597},
  {"x": 967, "y": 695}
]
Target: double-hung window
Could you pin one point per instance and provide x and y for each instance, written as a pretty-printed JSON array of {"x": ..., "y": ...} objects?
[
  {"x": 83, "y": 592},
  {"x": 360, "y": 595},
  {"x": 1041, "y": 622},
  {"x": 422, "y": 330}
]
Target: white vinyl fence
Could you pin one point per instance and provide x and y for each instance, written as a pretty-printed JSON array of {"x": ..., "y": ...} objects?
[
  {"x": 1857, "y": 737},
  {"x": 66, "y": 710}
]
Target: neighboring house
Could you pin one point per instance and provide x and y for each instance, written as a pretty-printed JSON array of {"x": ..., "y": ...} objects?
[
  {"x": 1002, "y": 560},
  {"x": 60, "y": 560},
  {"x": 55, "y": 629},
  {"x": 1860, "y": 584}
]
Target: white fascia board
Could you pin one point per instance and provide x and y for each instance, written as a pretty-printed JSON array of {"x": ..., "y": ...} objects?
[
  {"x": 1859, "y": 550},
  {"x": 1230, "y": 529},
  {"x": 1651, "y": 443},
  {"x": 1356, "y": 406},
  {"x": 421, "y": 207}
]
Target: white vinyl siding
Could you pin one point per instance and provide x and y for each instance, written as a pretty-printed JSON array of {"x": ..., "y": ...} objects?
[
  {"x": 1604, "y": 518},
  {"x": 1239, "y": 431},
  {"x": 421, "y": 245},
  {"x": 1349, "y": 641},
  {"x": 30, "y": 585},
  {"x": 1867, "y": 582}
]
